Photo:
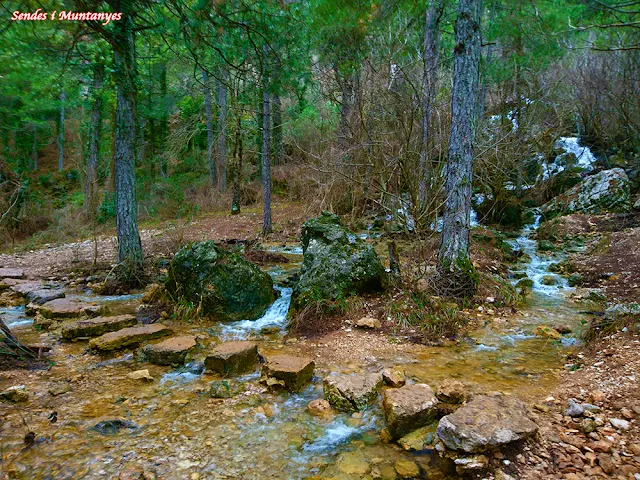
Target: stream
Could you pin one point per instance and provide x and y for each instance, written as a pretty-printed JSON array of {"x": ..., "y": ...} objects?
[{"x": 180, "y": 432}]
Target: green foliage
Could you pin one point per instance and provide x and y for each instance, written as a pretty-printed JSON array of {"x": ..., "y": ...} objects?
[{"x": 107, "y": 210}]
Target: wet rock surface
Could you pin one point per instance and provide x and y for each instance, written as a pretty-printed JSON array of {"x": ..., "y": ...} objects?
[
  {"x": 128, "y": 337},
  {"x": 225, "y": 286},
  {"x": 486, "y": 423},
  {"x": 292, "y": 372},
  {"x": 96, "y": 326},
  {"x": 409, "y": 408},
  {"x": 352, "y": 392},
  {"x": 233, "y": 358},
  {"x": 15, "y": 394}
]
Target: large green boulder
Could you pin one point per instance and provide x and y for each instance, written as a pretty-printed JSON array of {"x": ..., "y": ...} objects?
[
  {"x": 222, "y": 284},
  {"x": 336, "y": 263},
  {"x": 605, "y": 192}
]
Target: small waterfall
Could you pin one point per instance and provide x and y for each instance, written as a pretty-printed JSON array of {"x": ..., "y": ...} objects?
[
  {"x": 275, "y": 316},
  {"x": 538, "y": 266},
  {"x": 584, "y": 158}
]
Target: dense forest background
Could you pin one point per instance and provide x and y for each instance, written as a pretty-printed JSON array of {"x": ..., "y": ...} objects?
[{"x": 341, "y": 104}]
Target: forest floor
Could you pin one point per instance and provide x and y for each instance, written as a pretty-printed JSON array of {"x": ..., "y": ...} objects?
[{"x": 609, "y": 367}]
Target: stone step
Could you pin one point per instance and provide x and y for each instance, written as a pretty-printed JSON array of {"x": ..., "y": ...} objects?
[
  {"x": 129, "y": 337},
  {"x": 171, "y": 351},
  {"x": 233, "y": 358},
  {"x": 292, "y": 372},
  {"x": 96, "y": 326}
]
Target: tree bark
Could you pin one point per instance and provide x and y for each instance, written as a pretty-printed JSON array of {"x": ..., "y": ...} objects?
[
  {"x": 129, "y": 245},
  {"x": 91, "y": 183},
  {"x": 429, "y": 79},
  {"x": 221, "y": 145},
  {"x": 61, "y": 133},
  {"x": 455, "y": 271},
  {"x": 266, "y": 146},
  {"x": 208, "y": 112},
  {"x": 278, "y": 143},
  {"x": 35, "y": 148},
  {"x": 346, "y": 109}
]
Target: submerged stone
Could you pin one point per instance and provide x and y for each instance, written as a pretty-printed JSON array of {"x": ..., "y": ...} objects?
[
  {"x": 419, "y": 439},
  {"x": 336, "y": 263},
  {"x": 233, "y": 358},
  {"x": 96, "y": 326},
  {"x": 407, "y": 468},
  {"x": 294, "y": 372},
  {"x": 227, "y": 388},
  {"x": 320, "y": 408},
  {"x": 140, "y": 375},
  {"x": 128, "y": 337},
  {"x": 486, "y": 423},
  {"x": 111, "y": 427},
  {"x": 548, "y": 332},
  {"x": 170, "y": 351},
  {"x": 409, "y": 408},
  {"x": 352, "y": 392},
  {"x": 224, "y": 285}
]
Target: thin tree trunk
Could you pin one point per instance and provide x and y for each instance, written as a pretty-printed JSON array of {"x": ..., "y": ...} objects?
[
  {"x": 455, "y": 271},
  {"x": 278, "y": 145},
  {"x": 483, "y": 84},
  {"x": 35, "y": 148},
  {"x": 129, "y": 245},
  {"x": 266, "y": 164},
  {"x": 61, "y": 133},
  {"x": 208, "y": 112},
  {"x": 346, "y": 109},
  {"x": 91, "y": 184},
  {"x": 429, "y": 78},
  {"x": 221, "y": 146},
  {"x": 259, "y": 136}
]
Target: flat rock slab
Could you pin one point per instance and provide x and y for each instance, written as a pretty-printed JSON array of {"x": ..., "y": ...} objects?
[
  {"x": 68, "y": 308},
  {"x": 95, "y": 327},
  {"x": 11, "y": 273},
  {"x": 486, "y": 423},
  {"x": 170, "y": 351},
  {"x": 128, "y": 337},
  {"x": 352, "y": 392},
  {"x": 23, "y": 287},
  {"x": 293, "y": 372},
  {"x": 233, "y": 358},
  {"x": 409, "y": 408},
  {"x": 44, "y": 295}
]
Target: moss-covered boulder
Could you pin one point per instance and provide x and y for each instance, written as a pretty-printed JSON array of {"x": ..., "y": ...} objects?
[
  {"x": 222, "y": 284},
  {"x": 605, "y": 192},
  {"x": 336, "y": 263}
]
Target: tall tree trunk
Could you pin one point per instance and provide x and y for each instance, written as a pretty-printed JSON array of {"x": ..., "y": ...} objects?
[
  {"x": 221, "y": 145},
  {"x": 61, "y": 133},
  {"x": 259, "y": 136},
  {"x": 35, "y": 148},
  {"x": 91, "y": 184},
  {"x": 237, "y": 168},
  {"x": 456, "y": 273},
  {"x": 129, "y": 245},
  {"x": 160, "y": 69},
  {"x": 489, "y": 58},
  {"x": 208, "y": 112},
  {"x": 429, "y": 78},
  {"x": 278, "y": 146},
  {"x": 266, "y": 164}
]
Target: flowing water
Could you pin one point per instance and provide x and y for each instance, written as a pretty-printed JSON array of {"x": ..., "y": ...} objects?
[{"x": 180, "y": 431}]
